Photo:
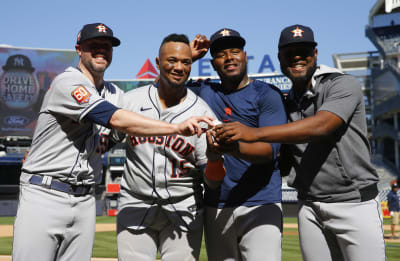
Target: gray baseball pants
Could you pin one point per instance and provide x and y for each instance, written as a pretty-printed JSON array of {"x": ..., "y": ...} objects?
[
  {"x": 244, "y": 233},
  {"x": 162, "y": 235},
  {"x": 52, "y": 225},
  {"x": 341, "y": 231}
]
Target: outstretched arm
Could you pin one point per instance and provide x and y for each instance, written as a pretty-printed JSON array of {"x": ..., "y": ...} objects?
[
  {"x": 313, "y": 128},
  {"x": 135, "y": 124},
  {"x": 255, "y": 152}
]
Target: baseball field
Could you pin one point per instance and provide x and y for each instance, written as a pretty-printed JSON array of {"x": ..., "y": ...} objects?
[{"x": 105, "y": 246}]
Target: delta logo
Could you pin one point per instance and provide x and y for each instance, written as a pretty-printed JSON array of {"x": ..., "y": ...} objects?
[{"x": 147, "y": 71}]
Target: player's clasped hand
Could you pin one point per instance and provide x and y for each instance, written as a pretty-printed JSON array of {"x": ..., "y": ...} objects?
[
  {"x": 219, "y": 147},
  {"x": 234, "y": 131},
  {"x": 191, "y": 126}
]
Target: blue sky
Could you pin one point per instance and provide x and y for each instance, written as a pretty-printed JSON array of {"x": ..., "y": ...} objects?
[{"x": 339, "y": 26}]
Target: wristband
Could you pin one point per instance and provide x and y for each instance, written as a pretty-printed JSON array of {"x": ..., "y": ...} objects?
[{"x": 215, "y": 170}]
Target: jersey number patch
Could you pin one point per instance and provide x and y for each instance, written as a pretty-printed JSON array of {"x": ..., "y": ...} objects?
[{"x": 81, "y": 95}]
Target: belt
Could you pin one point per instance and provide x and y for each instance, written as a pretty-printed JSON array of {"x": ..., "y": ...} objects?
[
  {"x": 74, "y": 190},
  {"x": 369, "y": 192}
]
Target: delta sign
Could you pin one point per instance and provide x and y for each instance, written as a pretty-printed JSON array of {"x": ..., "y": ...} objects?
[
  {"x": 266, "y": 72},
  {"x": 266, "y": 65}
]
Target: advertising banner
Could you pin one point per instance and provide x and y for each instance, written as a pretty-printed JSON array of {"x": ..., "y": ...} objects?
[
  {"x": 25, "y": 76},
  {"x": 280, "y": 81}
]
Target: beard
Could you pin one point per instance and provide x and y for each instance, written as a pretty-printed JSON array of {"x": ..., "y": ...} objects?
[
  {"x": 89, "y": 62},
  {"x": 300, "y": 80},
  {"x": 98, "y": 68},
  {"x": 171, "y": 83},
  {"x": 233, "y": 78}
]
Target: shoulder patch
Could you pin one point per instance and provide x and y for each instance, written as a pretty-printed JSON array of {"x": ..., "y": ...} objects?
[{"x": 81, "y": 95}]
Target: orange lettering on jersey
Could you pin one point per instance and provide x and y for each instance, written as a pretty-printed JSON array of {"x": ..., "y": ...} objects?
[{"x": 81, "y": 95}]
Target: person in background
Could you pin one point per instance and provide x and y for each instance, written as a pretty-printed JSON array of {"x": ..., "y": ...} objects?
[{"x": 394, "y": 208}]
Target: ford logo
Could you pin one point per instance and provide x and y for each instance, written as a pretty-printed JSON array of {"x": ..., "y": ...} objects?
[{"x": 17, "y": 121}]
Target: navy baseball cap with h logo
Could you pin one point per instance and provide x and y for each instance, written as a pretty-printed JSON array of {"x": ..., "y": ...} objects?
[
  {"x": 224, "y": 39},
  {"x": 96, "y": 30},
  {"x": 296, "y": 34}
]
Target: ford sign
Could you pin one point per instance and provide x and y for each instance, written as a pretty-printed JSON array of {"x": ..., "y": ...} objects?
[{"x": 16, "y": 121}]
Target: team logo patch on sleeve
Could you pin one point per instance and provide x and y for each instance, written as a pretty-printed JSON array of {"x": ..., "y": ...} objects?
[{"x": 81, "y": 95}]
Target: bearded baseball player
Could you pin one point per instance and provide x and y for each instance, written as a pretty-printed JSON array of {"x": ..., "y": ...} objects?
[
  {"x": 243, "y": 216},
  {"x": 339, "y": 214},
  {"x": 161, "y": 202},
  {"x": 56, "y": 212}
]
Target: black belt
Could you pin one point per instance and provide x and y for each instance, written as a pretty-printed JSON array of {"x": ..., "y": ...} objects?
[
  {"x": 62, "y": 186},
  {"x": 369, "y": 192}
]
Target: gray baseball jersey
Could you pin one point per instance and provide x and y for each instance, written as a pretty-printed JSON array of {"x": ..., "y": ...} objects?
[
  {"x": 51, "y": 224},
  {"x": 61, "y": 130},
  {"x": 339, "y": 216},
  {"x": 162, "y": 172}
]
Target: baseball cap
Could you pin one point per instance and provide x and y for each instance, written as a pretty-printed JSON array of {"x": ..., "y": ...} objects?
[
  {"x": 394, "y": 185},
  {"x": 225, "y": 38},
  {"x": 90, "y": 31},
  {"x": 296, "y": 34},
  {"x": 18, "y": 61}
]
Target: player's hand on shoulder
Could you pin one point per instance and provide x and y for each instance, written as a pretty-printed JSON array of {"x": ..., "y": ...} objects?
[
  {"x": 192, "y": 125},
  {"x": 199, "y": 46}
]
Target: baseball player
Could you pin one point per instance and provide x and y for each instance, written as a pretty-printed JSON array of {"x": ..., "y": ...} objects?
[
  {"x": 339, "y": 213},
  {"x": 161, "y": 202},
  {"x": 243, "y": 217},
  {"x": 56, "y": 212}
]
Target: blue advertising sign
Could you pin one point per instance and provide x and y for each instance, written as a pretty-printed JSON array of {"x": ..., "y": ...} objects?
[
  {"x": 266, "y": 65},
  {"x": 25, "y": 76},
  {"x": 280, "y": 81}
]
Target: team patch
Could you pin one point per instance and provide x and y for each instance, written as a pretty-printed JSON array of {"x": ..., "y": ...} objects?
[{"x": 81, "y": 95}]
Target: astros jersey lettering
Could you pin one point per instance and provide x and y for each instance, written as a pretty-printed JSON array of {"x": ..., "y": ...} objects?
[{"x": 164, "y": 171}]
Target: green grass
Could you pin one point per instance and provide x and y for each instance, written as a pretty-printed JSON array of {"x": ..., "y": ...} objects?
[
  {"x": 7, "y": 220},
  {"x": 288, "y": 220},
  {"x": 105, "y": 244},
  {"x": 105, "y": 220},
  {"x": 5, "y": 245},
  {"x": 387, "y": 221},
  {"x": 290, "y": 248},
  {"x": 392, "y": 251}
]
